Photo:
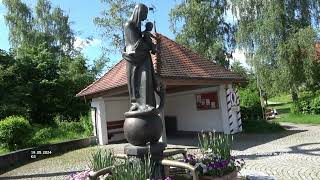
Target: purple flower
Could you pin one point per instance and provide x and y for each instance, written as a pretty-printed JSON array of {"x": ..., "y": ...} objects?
[
  {"x": 224, "y": 163},
  {"x": 211, "y": 165},
  {"x": 84, "y": 175}
]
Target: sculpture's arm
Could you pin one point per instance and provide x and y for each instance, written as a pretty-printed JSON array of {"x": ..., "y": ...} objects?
[{"x": 154, "y": 37}]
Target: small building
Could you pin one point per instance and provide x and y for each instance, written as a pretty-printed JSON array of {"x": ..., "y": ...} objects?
[{"x": 199, "y": 94}]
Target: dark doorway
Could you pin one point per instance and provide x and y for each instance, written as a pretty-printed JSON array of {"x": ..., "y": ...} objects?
[{"x": 171, "y": 125}]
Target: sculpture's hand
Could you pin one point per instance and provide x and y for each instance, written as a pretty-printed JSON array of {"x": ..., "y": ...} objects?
[{"x": 153, "y": 51}]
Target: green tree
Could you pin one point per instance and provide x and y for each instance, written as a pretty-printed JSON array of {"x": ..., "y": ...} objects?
[
  {"x": 280, "y": 36},
  {"x": 44, "y": 71},
  {"x": 202, "y": 26},
  {"x": 10, "y": 91},
  {"x": 238, "y": 68},
  {"x": 111, "y": 22},
  {"x": 46, "y": 24}
]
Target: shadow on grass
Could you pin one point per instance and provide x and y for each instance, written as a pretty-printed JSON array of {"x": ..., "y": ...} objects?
[
  {"x": 278, "y": 104},
  {"x": 283, "y": 111},
  {"x": 46, "y": 175},
  {"x": 282, "y": 108}
]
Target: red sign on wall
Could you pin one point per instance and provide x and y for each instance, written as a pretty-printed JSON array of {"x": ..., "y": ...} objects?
[{"x": 207, "y": 101}]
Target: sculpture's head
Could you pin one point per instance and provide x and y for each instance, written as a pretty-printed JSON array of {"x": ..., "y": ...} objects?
[
  {"x": 139, "y": 14},
  {"x": 149, "y": 26}
]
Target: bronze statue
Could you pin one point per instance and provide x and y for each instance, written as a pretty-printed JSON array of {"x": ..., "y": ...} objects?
[
  {"x": 143, "y": 124},
  {"x": 142, "y": 82}
]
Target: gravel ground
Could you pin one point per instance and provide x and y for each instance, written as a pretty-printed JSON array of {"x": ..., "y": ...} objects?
[{"x": 294, "y": 154}]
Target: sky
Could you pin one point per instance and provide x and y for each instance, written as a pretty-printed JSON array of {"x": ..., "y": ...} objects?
[{"x": 82, "y": 13}]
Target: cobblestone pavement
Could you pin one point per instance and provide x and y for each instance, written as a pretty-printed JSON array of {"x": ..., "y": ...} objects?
[
  {"x": 294, "y": 154},
  {"x": 291, "y": 155}
]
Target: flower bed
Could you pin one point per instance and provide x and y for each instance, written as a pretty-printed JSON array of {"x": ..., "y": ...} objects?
[
  {"x": 215, "y": 160},
  {"x": 210, "y": 165}
]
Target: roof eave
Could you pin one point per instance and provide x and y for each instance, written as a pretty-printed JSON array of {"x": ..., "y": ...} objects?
[{"x": 105, "y": 92}]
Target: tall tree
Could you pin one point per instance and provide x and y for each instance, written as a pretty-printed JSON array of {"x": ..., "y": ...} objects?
[
  {"x": 239, "y": 69},
  {"x": 111, "y": 22},
  {"x": 48, "y": 70},
  {"x": 46, "y": 24},
  {"x": 19, "y": 19},
  {"x": 280, "y": 36},
  {"x": 10, "y": 92},
  {"x": 202, "y": 26}
]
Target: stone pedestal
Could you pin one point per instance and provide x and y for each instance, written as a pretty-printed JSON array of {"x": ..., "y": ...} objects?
[{"x": 154, "y": 150}]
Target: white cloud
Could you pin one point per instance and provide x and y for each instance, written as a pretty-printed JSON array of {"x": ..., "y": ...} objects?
[
  {"x": 82, "y": 44},
  {"x": 239, "y": 55}
]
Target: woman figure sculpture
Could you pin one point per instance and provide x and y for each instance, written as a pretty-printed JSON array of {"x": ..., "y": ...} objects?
[{"x": 141, "y": 77}]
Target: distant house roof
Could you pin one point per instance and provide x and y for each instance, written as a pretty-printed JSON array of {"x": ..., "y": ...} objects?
[{"x": 173, "y": 61}]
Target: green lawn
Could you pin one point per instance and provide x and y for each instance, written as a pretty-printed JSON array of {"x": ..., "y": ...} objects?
[
  {"x": 3, "y": 150},
  {"x": 300, "y": 118},
  {"x": 285, "y": 115},
  {"x": 44, "y": 134},
  {"x": 285, "y": 98}
]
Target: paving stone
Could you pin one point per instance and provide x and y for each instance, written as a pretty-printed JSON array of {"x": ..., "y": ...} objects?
[
  {"x": 291, "y": 155},
  {"x": 255, "y": 175}
]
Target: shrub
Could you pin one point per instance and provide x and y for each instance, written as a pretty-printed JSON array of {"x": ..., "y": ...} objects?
[
  {"x": 307, "y": 105},
  {"x": 315, "y": 105},
  {"x": 83, "y": 125},
  {"x": 87, "y": 125},
  {"x": 14, "y": 132},
  {"x": 304, "y": 106},
  {"x": 41, "y": 136},
  {"x": 75, "y": 127},
  {"x": 250, "y": 105},
  {"x": 296, "y": 107}
]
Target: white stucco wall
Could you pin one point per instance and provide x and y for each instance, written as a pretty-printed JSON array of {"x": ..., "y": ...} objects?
[
  {"x": 101, "y": 124},
  {"x": 183, "y": 106},
  {"x": 115, "y": 109}
]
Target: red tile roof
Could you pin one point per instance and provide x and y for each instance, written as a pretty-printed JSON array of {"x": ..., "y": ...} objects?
[
  {"x": 180, "y": 62},
  {"x": 174, "y": 61}
]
